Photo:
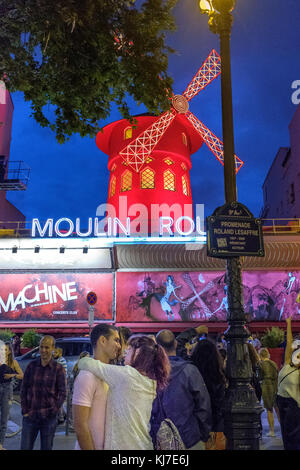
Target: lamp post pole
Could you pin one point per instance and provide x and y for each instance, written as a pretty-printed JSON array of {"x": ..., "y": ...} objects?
[{"x": 241, "y": 409}]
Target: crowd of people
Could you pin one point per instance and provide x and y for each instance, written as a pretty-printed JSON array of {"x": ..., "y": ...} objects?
[{"x": 138, "y": 390}]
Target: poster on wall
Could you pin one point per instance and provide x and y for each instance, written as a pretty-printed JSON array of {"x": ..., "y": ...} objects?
[
  {"x": 54, "y": 297},
  {"x": 202, "y": 296}
]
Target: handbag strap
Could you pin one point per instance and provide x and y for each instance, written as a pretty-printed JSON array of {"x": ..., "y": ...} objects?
[{"x": 286, "y": 376}]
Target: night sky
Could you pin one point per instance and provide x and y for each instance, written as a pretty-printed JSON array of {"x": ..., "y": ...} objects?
[{"x": 71, "y": 180}]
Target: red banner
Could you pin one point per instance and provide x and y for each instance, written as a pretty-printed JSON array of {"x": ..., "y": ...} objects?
[{"x": 55, "y": 297}]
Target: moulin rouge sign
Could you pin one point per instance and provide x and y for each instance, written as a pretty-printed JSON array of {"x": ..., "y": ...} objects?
[{"x": 181, "y": 223}]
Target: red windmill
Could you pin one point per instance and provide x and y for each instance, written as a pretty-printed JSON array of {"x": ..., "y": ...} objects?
[{"x": 153, "y": 167}]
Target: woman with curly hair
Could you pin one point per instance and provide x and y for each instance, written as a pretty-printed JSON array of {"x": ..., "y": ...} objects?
[
  {"x": 132, "y": 390},
  {"x": 208, "y": 360},
  {"x": 9, "y": 369}
]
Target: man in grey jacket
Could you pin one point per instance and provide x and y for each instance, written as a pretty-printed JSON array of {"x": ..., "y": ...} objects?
[{"x": 186, "y": 400}]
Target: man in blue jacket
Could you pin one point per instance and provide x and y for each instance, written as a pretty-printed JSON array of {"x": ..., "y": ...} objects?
[{"x": 186, "y": 400}]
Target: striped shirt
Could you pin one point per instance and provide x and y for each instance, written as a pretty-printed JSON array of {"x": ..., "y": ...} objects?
[
  {"x": 43, "y": 390},
  {"x": 61, "y": 360}
]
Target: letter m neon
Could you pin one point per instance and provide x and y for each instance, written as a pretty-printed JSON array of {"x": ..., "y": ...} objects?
[{"x": 36, "y": 226}]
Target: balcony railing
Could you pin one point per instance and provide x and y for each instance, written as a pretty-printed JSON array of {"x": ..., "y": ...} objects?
[
  {"x": 281, "y": 226},
  {"x": 16, "y": 178},
  {"x": 23, "y": 229}
]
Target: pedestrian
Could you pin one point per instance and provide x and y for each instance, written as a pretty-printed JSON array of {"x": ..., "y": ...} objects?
[
  {"x": 288, "y": 395},
  {"x": 43, "y": 392},
  {"x": 268, "y": 375},
  {"x": 132, "y": 390},
  {"x": 208, "y": 361},
  {"x": 185, "y": 400},
  {"x": 187, "y": 339},
  {"x": 254, "y": 379},
  {"x": 256, "y": 342},
  {"x": 75, "y": 370},
  {"x": 90, "y": 392},
  {"x": 58, "y": 356},
  {"x": 16, "y": 344},
  {"x": 124, "y": 334},
  {"x": 9, "y": 369}
]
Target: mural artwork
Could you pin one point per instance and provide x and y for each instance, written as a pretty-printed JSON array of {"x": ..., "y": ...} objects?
[
  {"x": 55, "y": 297},
  {"x": 202, "y": 296}
]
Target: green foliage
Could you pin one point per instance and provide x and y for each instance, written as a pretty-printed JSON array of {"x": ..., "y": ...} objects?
[
  {"x": 30, "y": 338},
  {"x": 273, "y": 338},
  {"x": 64, "y": 53},
  {"x": 6, "y": 335}
]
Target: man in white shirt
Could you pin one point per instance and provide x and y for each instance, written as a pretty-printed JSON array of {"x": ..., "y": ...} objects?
[{"x": 90, "y": 392}]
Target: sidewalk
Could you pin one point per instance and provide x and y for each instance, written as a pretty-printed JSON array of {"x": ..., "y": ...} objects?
[{"x": 63, "y": 442}]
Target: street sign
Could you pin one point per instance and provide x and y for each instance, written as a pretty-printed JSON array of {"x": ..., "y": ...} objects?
[
  {"x": 91, "y": 316},
  {"x": 233, "y": 231},
  {"x": 91, "y": 298}
]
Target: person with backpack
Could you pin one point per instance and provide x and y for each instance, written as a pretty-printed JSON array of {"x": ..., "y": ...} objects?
[
  {"x": 132, "y": 390},
  {"x": 186, "y": 400}
]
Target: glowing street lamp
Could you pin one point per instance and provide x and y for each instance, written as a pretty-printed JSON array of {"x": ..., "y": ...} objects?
[{"x": 241, "y": 409}]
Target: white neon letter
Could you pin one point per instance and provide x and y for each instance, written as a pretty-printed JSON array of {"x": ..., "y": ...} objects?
[
  {"x": 36, "y": 225},
  {"x": 71, "y": 229},
  {"x": 168, "y": 225}
]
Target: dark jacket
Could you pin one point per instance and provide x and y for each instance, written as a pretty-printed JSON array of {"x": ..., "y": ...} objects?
[{"x": 186, "y": 402}]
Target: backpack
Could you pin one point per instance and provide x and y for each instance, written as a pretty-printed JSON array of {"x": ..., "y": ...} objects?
[{"x": 164, "y": 434}]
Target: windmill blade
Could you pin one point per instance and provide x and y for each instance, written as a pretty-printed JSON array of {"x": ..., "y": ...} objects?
[
  {"x": 136, "y": 153},
  {"x": 214, "y": 144},
  {"x": 210, "y": 70}
]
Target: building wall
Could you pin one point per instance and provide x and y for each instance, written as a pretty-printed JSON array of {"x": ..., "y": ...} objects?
[
  {"x": 281, "y": 188},
  {"x": 8, "y": 212}
]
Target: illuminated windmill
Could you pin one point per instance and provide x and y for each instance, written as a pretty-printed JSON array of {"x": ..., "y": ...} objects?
[{"x": 153, "y": 165}]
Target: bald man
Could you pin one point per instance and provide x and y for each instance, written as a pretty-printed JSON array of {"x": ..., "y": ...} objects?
[
  {"x": 186, "y": 400},
  {"x": 43, "y": 392}
]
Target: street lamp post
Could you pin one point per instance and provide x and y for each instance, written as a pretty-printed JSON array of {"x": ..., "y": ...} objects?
[{"x": 241, "y": 410}]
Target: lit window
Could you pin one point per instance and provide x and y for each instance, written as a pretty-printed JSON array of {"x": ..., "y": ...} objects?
[
  {"x": 149, "y": 159},
  {"x": 113, "y": 167},
  {"x": 147, "y": 179},
  {"x": 126, "y": 181},
  {"x": 112, "y": 190},
  {"x": 128, "y": 133},
  {"x": 185, "y": 188},
  {"x": 183, "y": 167},
  {"x": 124, "y": 163},
  {"x": 169, "y": 181},
  {"x": 184, "y": 140},
  {"x": 168, "y": 161}
]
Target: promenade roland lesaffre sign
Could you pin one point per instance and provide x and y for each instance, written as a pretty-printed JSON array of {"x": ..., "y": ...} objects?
[{"x": 234, "y": 232}]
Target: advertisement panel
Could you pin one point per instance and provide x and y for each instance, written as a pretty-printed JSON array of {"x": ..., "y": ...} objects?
[
  {"x": 54, "y": 297},
  {"x": 202, "y": 296}
]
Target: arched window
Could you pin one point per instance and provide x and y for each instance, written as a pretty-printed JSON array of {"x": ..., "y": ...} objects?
[
  {"x": 113, "y": 167},
  {"x": 126, "y": 181},
  {"x": 112, "y": 189},
  {"x": 185, "y": 186},
  {"x": 168, "y": 161},
  {"x": 184, "y": 139},
  {"x": 169, "y": 181},
  {"x": 147, "y": 179},
  {"x": 128, "y": 133},
  {"x": 183, "y": 167}
]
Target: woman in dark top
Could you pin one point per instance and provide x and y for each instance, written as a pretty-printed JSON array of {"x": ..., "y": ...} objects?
[
  {"x": 207, "y": 359},
  {"x": 9, "y": 368}
]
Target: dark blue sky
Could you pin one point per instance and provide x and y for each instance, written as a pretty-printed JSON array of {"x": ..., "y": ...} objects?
[{"x": 71, "y": 180}]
